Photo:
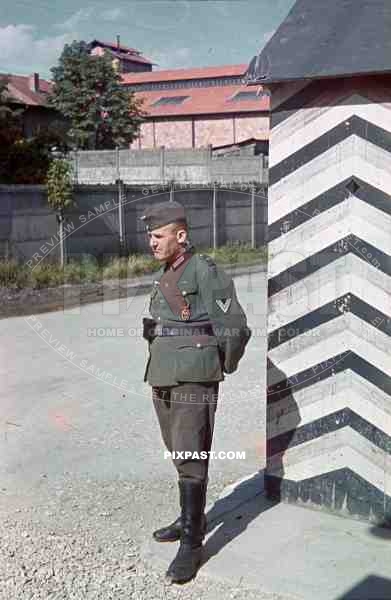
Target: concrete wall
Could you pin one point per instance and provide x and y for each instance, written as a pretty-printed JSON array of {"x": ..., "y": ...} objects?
[
  {"x": 329, "y": 216},
  {"x": 28, "y": 227},
  {"x": 159, "y": 166}
]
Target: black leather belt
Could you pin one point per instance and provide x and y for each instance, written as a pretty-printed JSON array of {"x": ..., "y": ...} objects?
[{"x": 185, "y": 330}]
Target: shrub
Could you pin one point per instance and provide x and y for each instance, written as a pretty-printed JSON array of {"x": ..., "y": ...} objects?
[
  {"x": 116, "y": 269},
  {"x": 87, "y": 269},
  {"x": 84, "y": 269},
  {"x": 234, "y": 252},
  {"x": 47, "y": 275},
  {"x": 141, "y": 264},
  {"x": 13, "y": 275}
]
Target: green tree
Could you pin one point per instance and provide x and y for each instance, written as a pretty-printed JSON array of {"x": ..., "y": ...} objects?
[
  {"x": 87, "y": 91},
  {"x": 60, "y": 194},
  {"x": 24, "y": 161},
  {"x": 10, "y": 117},
  {"x": 6, "y": 111},
  {"x": 4, "y": 107},
  {"x": 10, "y": 128}
]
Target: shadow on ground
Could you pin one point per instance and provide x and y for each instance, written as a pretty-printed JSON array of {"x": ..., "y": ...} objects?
[
  {"x": 371, "y": 588},
  {"x": 231, "y": 515}
]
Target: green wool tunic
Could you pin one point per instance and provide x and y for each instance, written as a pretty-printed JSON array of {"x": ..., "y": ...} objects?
[{"x": 211, "y": 297}]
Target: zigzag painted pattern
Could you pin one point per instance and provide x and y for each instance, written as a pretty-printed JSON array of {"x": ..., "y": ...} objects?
[{"x": 329, "y": 322}]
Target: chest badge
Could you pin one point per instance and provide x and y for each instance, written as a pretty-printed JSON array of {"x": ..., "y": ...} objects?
[{"x": 185, "y": 313}]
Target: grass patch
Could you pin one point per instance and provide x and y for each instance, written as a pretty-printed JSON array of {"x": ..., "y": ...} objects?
[
  {"x": 13, "y": 275},
  {"x": 134, "y": 265},
  {"x": 82, "y": 271},
  {"x": 238, "y": 252},
  {"x": 87, "y": 269},
  {"x": 46, "y": 275}
]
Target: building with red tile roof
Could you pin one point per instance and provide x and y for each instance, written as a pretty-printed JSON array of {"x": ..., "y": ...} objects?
[
  {"x": 191, "y": 108},
  {"x": 31, "y": 92},
  {"x": 28, "y": 89},
  {"x": 167, "y": 75},
  {"x": 185, "y": 108},
  {"x": 228, "y": 99}
]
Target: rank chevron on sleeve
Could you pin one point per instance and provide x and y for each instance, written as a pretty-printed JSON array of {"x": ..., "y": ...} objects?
[{"x": 224, "y": 304}]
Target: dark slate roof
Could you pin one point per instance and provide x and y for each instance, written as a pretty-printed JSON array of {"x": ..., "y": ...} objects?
[{"x": 327, "y": 38}]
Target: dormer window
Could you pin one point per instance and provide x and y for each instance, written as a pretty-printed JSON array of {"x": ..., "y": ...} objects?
[
  {"x": 165, "y": 100},
  {"x": 243, "y": 96}
]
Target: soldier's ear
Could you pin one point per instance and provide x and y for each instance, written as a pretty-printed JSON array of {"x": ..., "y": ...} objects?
[{"x": 181, "y": 235}]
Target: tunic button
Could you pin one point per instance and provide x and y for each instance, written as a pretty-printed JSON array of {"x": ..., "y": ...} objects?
[
  {"x": 184, "y": 293},
  {"x": 198, "y": 345}
]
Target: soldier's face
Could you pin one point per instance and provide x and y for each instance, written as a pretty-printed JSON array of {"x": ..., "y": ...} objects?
[{"x": 166, "y": 242}]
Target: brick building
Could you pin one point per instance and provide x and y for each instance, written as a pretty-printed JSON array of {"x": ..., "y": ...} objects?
[{"x": 197, "y": 107}]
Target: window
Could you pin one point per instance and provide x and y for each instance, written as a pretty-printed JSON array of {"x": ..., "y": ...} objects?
[
  {"x": 170, "y": 100},
  {"x": 245, "y": 96}
]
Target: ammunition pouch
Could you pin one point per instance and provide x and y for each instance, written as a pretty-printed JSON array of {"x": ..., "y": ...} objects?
[{"x": 149, "y": 326}]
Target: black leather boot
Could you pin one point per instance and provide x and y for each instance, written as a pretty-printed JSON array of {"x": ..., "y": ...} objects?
[
  {"x": 186, "y": 563},
  {"x": 170, "y": 533}
]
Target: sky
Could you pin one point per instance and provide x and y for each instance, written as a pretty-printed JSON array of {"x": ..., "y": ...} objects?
[{"x": 171, "y": 33}]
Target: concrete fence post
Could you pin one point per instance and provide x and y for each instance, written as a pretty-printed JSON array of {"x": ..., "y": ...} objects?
[
  {"x": 117, "y": 169},
  {"x": 261, "y": 168},
  {"x": 76, "y": 166},
  {"x": 121, "y": 195},
  {"x": 172, "y": 191},
  {"x": 214, "y": 216},
  {"x": 209, "y": 164},
  {"x": 265, "y": 169},
  {"x": 253, "y": 217},
  {"x": 162, "y": 164}
]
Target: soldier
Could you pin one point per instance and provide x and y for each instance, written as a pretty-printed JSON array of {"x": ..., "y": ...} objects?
[{"x": 198, "y": 332}]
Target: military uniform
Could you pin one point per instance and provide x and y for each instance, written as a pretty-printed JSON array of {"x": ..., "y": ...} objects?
[
  {"x": 197, "y": 333},
  {"x": 211, "y": 337}
]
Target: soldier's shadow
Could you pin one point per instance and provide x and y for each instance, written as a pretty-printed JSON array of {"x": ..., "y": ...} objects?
[{"x": 231, "y": 515}]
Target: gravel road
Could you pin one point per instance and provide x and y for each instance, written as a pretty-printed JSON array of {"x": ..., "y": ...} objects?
[
  {"x": 83, "y": 479},
  {"x": 81, "y": 540}
]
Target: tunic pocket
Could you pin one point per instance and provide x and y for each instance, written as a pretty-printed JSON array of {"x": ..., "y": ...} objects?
[{"x": 198, "y": 359}]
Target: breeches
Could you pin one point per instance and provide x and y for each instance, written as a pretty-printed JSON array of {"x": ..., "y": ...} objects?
[{"x": 186, "y": 415}]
